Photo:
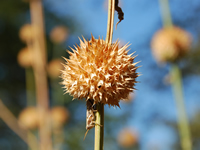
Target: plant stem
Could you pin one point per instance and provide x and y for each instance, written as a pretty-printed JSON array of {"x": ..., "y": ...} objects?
[
  {"x": 99, "y": 130},
  {"x": 111, "y": 11},
  {"x": 39, "y": 68},
  {"x": 183, "y": 124},
  {"x": 12, "y": 122},
  {"x": 165, "y": 10}
]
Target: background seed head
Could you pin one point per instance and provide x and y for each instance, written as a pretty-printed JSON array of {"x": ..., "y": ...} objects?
[
  {"x": 29, "y": 119},
  {"x": 127, "y": 137},
  {"x": 170, "y": 44}
]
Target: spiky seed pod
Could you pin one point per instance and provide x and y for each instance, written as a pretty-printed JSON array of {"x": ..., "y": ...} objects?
[
  {"x": 100, "y": 71},
  {"x": 170, "y": 44}
]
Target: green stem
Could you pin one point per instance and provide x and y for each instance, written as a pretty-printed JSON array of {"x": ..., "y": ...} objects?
[
  {"x": 165, "y": 10},
  {"x": 99, "y": 130},
  {"x": 30, "y": 87},
  {"x": 183, "y": 124}
]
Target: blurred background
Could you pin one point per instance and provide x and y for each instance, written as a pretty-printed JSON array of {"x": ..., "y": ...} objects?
[{"x": 148, "y": 121}]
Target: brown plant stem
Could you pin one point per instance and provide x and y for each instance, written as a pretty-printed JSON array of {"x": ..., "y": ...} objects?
[
  {"x": 99, "y": 130},
  {"x": 111, "y": 11},
  {"x": 12, "y": 122},
  {"x": 39, "y": 67}
]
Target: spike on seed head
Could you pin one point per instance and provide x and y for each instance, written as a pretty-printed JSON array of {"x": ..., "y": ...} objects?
[{"x": 100, "y": 71}]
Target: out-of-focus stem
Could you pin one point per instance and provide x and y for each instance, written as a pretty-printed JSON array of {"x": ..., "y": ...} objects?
[
  {"x": 29, "y": 86},
  {"x": 39, "y": 68},
  {"x": 12, "y": 123},
  {"x": 99, "y": 130},
  {"x": 183, "y": 124},
  {"x": 165, "y": 10},
  {"x": 177, "y": 86}
]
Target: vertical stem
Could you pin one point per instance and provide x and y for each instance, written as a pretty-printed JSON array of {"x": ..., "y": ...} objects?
[
  {"x": 166, "y": 16},
  {"x": 183, "y": 124},
  {"x": 99, "y": 130},
  {"x": 39, "y": 68},
  {"x": 111, "y": 11}
]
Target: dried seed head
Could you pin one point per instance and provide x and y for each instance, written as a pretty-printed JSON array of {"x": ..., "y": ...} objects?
[
  {"x": 99, "y": 71},
  {"x": 59, "y": 34},
  {"x": 131, "y": 98},
  {"x": 170, "y": 44},
  {"x": 28, "y": 118},
  {"x": 127, "y": 137},
  {"x": 25, "y": 57},
  {"x": 54, "y": 68},
  {"x": 28, "y": 32},
  {"x": 60, "y": 115}
]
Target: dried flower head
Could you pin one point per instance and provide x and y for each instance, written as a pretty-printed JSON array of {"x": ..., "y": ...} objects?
[
  {"x": 131, "y": 97},
  {"x": 28, "y": 118},
  {"x": 60, "y": 116},
  {"x": 28, "y": 32},
  {"x": 59, "y": 34},
  {"x": 25, "y": 57},
  {"x": 170, "y": 44},
  {"x": 127, "y": 137},
  {"x": 54, "y": 68},
  {"x": 100, "y": 71}
]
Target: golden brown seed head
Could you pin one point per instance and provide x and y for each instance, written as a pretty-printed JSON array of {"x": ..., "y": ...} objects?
[
  {"x": 99, "y": 71},
  {"x": 170, "y": 44},
  {"x": 25, "y": 57},
  {"x": 127, "y": 137},
  {"x": 60, "y": 116},
  {"x": 59, "y": 34},
  {"x": 28, "y": 32},
  {"x": 28, "y": 118},
  {"x": 54, "y": 68}
]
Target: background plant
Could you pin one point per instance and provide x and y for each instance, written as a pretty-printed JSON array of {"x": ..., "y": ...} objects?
[{"x": 152, "y": 113}]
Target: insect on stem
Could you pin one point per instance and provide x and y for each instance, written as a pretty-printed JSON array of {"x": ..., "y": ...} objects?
[{"x": 90, "y": 116}]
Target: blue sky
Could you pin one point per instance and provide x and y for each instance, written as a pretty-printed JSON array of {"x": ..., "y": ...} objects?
[{"x": 142, "y": 18}]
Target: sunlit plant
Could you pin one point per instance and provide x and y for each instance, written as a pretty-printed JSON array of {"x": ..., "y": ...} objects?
[{"x": 101, "y": 72}]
